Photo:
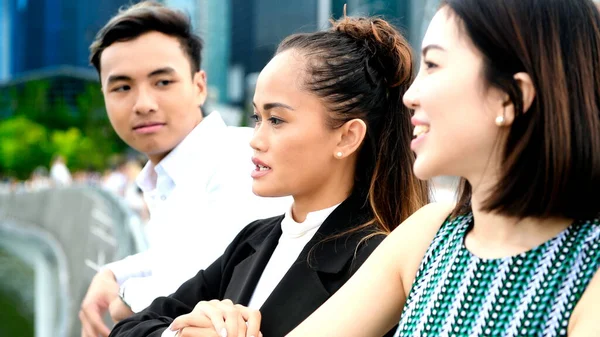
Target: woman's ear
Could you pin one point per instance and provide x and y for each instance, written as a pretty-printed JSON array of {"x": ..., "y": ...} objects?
[
  {"x": 528, "y": 94},
  {"x": 352, "y": 134},
  {"x": 527, "y": 89}
]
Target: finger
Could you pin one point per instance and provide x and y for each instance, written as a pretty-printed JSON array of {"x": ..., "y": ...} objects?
[
  {"x": 198, "y": 332},
  {"x": 233, "y": 318},
  {"x": 195, "y": 318},
  {"x": 227, "y": 302},
  {"x": 113, "y": 310},
  {"x": 253, "y": 319},
  {"x": 210, "y": 311},
  {"x": 85, "y": 333},
  {"x": 241, "y": 326},
  {"x": 86, "y": 328},
  {"x": 95, "y": 321}
]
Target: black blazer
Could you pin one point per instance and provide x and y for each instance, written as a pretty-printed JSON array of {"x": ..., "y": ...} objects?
[{"x": 320, "y": 270}]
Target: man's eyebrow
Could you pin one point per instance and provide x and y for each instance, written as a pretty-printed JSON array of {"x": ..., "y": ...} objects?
[
  {"x": 117, "y": 78},
  {"x": 162, "y": 71}
]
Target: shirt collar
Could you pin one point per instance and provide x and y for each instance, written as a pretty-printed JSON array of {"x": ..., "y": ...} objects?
[
  {"x": 187, "y": 157},
  {"x": 291, "y": 228}
]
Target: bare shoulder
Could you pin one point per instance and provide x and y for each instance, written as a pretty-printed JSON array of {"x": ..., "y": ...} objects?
[
  {"x": 410, "y": 240},
  {"x": 421, "y": 227},
  {"x": 584, "y": 321}
]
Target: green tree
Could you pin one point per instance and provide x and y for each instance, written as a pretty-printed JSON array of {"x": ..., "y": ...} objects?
[
  {"x": 94, "y": 122},
  {"x": 24, "y": 145},
  {"x": 31, "y": 100},
  {"x": 81, "y": 152},
  {"x": 44, "y": 123},
  {"x": 90, "y": 107}
]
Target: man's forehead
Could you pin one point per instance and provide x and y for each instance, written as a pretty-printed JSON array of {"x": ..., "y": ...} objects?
[
  {"x": 152, "y": 45},
  {"x": 140, "y": 59}
]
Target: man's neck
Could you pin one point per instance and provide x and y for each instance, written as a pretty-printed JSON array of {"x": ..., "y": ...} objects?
[{"x": 155, "y": 159}]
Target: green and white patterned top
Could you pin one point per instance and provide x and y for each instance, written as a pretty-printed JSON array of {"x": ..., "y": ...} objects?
[{"x": 531, "y": 294}]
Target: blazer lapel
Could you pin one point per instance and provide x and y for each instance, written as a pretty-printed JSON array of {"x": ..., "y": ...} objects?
[
  {"x": 329, "y": 255},
  {"x": 247, "y": 273},
  {"x": 298, "y": 294},
  {"x": 308, "y": 285}
]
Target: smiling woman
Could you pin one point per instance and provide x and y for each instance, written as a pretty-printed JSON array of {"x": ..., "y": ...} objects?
[{"x": 508, "y": 98}]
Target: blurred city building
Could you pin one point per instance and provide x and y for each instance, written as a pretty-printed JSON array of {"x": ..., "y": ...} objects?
[
  {"x": 44, "y": 34},
  {"x": 50, "y": 38}
]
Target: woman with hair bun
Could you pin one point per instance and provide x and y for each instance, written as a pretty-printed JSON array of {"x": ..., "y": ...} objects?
[{"x": 332, "y": 132}]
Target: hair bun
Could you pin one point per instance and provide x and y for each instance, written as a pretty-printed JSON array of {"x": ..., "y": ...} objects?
[{"x": 390, "y": 47}]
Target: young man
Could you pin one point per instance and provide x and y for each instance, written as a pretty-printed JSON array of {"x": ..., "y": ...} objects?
[{"x": 197, "y": 182}]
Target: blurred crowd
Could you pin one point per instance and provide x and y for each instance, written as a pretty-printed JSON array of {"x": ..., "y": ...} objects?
[{"x": 118, "y": 179}]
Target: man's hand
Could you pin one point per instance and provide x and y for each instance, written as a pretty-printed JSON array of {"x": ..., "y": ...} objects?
[
  {"x": 119, "y": 310},
  {"x": 227, "y": 319},
  {"x": 102, "y": 291}
]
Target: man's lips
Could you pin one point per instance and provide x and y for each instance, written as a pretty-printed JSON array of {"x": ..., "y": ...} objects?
[{"x": 148, "y": 127}]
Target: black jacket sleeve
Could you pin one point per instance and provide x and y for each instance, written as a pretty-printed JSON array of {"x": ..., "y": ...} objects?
[{"x": 205, "y": 286}]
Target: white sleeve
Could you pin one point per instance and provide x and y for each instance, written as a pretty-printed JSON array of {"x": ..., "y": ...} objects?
[
  {"x": 139, "y": 292},
  {"x": 168, "y": 333},
  {"x": 137, "y": 265}
]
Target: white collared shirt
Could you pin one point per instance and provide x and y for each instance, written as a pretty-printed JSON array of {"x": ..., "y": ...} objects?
[
  {"x": 199, "y": 197},
  {"x": 294, "y": 236}
]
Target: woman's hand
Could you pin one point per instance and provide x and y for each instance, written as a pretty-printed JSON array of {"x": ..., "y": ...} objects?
[{"x": 227, "y": 320}]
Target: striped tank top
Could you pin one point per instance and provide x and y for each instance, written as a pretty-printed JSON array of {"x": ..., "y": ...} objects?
[{"x": 531, "y": 294}]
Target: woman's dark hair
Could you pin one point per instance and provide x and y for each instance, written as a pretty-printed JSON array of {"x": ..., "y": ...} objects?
[
  {"x": 145, "y": 17},
  {"x": 551, "y": 160},
  {"x": 360, "y": 68}
]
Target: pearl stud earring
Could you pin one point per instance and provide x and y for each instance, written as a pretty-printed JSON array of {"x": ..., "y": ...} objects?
[{"x": 500, "y": 120}]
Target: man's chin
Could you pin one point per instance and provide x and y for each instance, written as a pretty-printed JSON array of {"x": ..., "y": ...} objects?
[{"x": 154, "y": 154}]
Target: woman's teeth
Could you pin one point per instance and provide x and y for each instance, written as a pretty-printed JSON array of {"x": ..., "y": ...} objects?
[
  {"x": 262, "y": 168},
  {"x": 420, "y": 130}
]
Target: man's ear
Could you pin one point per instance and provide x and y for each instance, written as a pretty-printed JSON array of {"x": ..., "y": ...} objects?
[{"x": 199, "y": 80}]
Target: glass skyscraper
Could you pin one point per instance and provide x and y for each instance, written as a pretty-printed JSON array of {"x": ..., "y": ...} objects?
[
  {"x": 240, "y": 35},
  {"x": 46, "y": 34},
  {"x": 5, "y": 11}
]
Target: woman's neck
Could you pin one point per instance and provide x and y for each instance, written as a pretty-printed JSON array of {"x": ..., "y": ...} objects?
[
  {"x": 494, "y": 235},
  {"x": 325, "y": 194},
  {"x": 304, "y": 204}
]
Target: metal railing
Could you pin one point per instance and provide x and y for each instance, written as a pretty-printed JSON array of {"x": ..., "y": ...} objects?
[{"x": 65, "y": 235}]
